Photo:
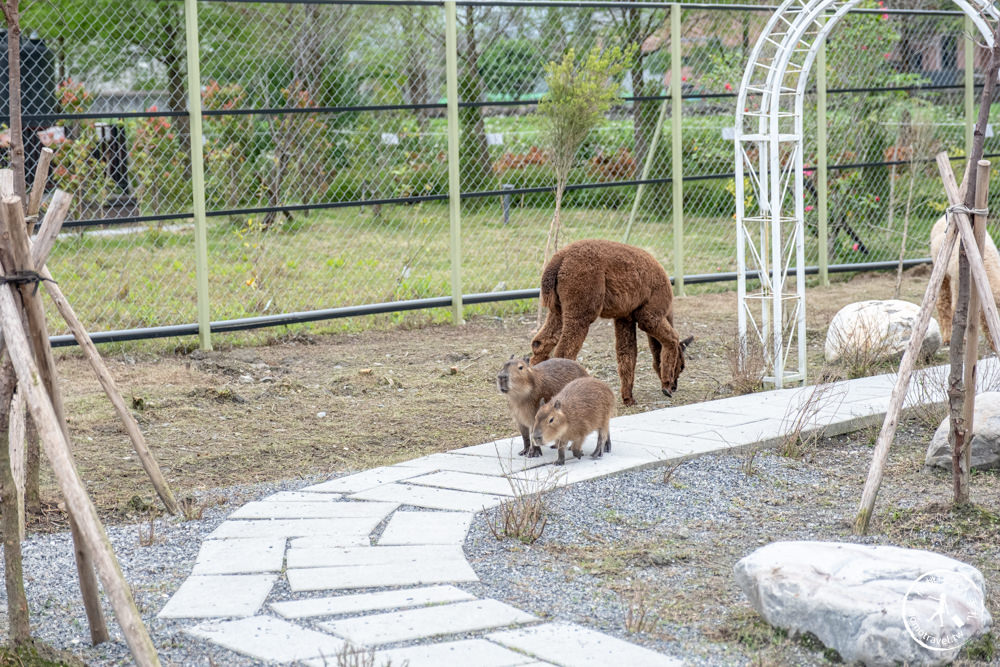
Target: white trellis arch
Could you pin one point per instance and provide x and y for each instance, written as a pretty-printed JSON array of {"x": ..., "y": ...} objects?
[{"x": 768, "y": 143}]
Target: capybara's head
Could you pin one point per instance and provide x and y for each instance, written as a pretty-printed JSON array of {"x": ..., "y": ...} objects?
[
  {"x": 672, "y": 364},
  {"x": 514, "y": 375},
  {"x": 550, "y": 422}
]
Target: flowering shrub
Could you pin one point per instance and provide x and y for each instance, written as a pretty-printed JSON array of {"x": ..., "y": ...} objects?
[
  {"x": 160, "y": 166},
  {"x": 231, "y": 151},
  {"x": 75, "y": 165}
]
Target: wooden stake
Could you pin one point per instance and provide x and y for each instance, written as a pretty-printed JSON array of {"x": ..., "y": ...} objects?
[
  {"x": 963, "y": 458},
  {"x": 15, "y": 436},
  {"x": 51, "y": 225},
  {"x": 95, "y": 540},
  {"x": 41, "y": 178},
  {"x": 19, "y": 625},
  {"x": 14, "y": 252}
]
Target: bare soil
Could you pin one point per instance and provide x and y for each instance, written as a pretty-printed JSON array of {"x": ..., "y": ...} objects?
[{"x": 311, "y": 405}]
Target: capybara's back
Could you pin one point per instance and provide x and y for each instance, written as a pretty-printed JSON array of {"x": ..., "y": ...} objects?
[
  {"x": 583, "y": 406},
  {"x": 525, "y": 386}
]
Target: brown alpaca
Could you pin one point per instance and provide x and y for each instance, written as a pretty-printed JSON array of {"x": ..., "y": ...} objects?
[
  {"x": 948, "y": 294},
  {"x": 595, "y": 278}
]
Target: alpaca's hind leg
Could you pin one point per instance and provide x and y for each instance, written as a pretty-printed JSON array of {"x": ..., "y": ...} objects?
[
  {"x": 547, "y": 337},
  {"x": 574, "y": 332},
  {"x": 626, "y": 352},
  {"x": 944, "y": 309}
]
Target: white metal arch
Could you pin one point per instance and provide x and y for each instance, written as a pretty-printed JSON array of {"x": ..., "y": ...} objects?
[{"x": 769, "y": 150}]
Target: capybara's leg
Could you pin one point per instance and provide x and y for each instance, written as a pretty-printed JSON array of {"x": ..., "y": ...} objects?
[
  {"x": 626, "y": 352},
  {"x": 547, "y": 337},
  {"x": 534, "y": 452},
  {"x": 526, "y": 436},
  {"x": 603, "y": 443},
  {"x": 577, "y": 448},
  {"x": 656, "y": 326},
  {"x": 574, "y": 332},
  {"x": 561, "y": 459},
  {"x": 944, "y": 310}
]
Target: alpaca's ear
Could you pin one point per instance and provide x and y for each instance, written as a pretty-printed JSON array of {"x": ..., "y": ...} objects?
[
  {"x": 687, "y": 341},
  {"x": 557, "y": 405}
]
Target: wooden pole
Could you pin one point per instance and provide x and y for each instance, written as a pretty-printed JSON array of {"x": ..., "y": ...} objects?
[
  {"x": 963, "y": 458},
  {"x": 14, "y": 252},
  {"x": 57, "y": 449},
  {"x": 19, "y": 626},
  {"x": 15, "y": 436},
  {"x": 13, "y": 18},
  {"x": 41, "y": 178},
  {"x": 51, "y": 225}
]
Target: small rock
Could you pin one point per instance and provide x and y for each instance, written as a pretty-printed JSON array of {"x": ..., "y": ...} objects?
[
  {"x": 877, "y": 330},
  {"x": 985, "y": 436},
  {"x": 320, "y": 415},
  {"x": 871, "y": 604},
  {"x": 267, "y": 378},
  {"x": 246, "y": 379}
]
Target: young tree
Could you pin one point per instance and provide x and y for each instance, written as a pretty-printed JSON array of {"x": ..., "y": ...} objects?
[
  {"x": 13, "y": 21},
  {"x": 580, "y": 92}
]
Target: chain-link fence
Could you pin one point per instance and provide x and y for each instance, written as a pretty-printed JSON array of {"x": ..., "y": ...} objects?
[{"x": 325, "y": 144}]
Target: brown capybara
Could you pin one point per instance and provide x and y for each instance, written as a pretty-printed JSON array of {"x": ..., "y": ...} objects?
[
  {"x": 526, "y": 386},
  {"x": 596, "y": 278},
  {"x": 583, "y": 406}
]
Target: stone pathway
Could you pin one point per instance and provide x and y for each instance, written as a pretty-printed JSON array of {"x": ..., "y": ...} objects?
[{"x": 400, "y": 529}]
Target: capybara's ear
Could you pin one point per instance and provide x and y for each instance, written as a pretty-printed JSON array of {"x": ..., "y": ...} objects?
[
  {"x": 511, "y": 357},
  {"x": 557, "y": 405},
  {"x": 687, "y": 341},
  {"x": 526, "y": 358},
  {"x": 541, "y": 402}
]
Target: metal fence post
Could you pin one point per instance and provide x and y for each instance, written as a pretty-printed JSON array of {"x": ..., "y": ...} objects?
[
  {"x": 822, "y": 211},
  {"x": 197, "y": 173},
  {"x": 677, "y": 169},
  {"x": 454, "y": 182},
  {"x": 970, "y": 84}
]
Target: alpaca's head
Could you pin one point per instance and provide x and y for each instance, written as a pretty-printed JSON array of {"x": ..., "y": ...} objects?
[{"x": 672, "y": 364}]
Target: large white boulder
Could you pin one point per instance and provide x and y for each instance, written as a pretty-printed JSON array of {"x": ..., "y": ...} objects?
[
  {"x": 875, "y": 330},
  {"x": 877, "y": 605},
  {"x": 985, "y": 436}
]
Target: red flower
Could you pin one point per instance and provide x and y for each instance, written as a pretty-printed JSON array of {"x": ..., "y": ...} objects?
[
  {"x": 877, "y": 198},
  {"x": 854, "y": 247},
  {"x": 809, "y": 208},
  {"x": 728, "y": 86}
]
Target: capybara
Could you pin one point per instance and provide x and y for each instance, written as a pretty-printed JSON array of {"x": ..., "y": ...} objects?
[
  {"x": 948, "y": 294},
  {"x": 526, "y": 386},
  {"x": 596, "y": 278},
  {"x": 583, "y": 406}
]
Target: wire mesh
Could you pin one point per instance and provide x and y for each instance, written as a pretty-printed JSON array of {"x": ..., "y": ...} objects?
[{"x": 325, "y": 145}]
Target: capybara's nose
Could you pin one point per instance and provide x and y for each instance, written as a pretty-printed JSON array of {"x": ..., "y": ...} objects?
[{"x": 536, "y": 438}]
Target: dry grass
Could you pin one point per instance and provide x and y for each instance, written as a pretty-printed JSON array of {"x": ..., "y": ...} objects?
[
  {"x": 524, "y": 516},
  {"x": 747, "y": 371},
  {"x": 354, "y": 656},
  {"x": 640, "y": 609},
  {"x": 801, "y": 421}
]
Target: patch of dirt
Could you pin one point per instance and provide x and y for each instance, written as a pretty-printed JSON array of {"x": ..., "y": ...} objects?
[{"x": 318, "y": 404}]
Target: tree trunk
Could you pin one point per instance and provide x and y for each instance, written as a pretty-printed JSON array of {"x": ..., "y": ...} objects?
[
  {"x": 170, "y": 52},
  {"x": 552, "y": 239},
  {"x": 11, "y": 14},
  {"x": 643, "y": 113},
  {"x": 956, "y": 388},
  {"x": 17, "y": 602},
  {"x": 477, "y": 169}
]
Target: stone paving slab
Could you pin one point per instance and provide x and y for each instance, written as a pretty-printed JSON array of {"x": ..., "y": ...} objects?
[
  {"x": 463, "y": 481},
  {"x": 365, "y": 480},
  {"x": 296, "y": 496},
  {"x": 240, "y": 556},
  {"x": 312, "y": 555},
  {"x": 371, "y": 576},
  {"x": 570, "y": 645},
  {"x": 429, "y": 497},
  {"x": 346, "y": 531},
  {"x": 431, "y": 622},
  {"x": 466, "y": 652},
  {"x": 331, "y": 509},
  {"x": 213, "y": 596},
  {"x": 505, "y": 448},
  {"x": 426, "y": 528},
  {"x": 477, "y": 465},
  {"x": 270, "y": 639},
  {"x": 363, "y": 602}
]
